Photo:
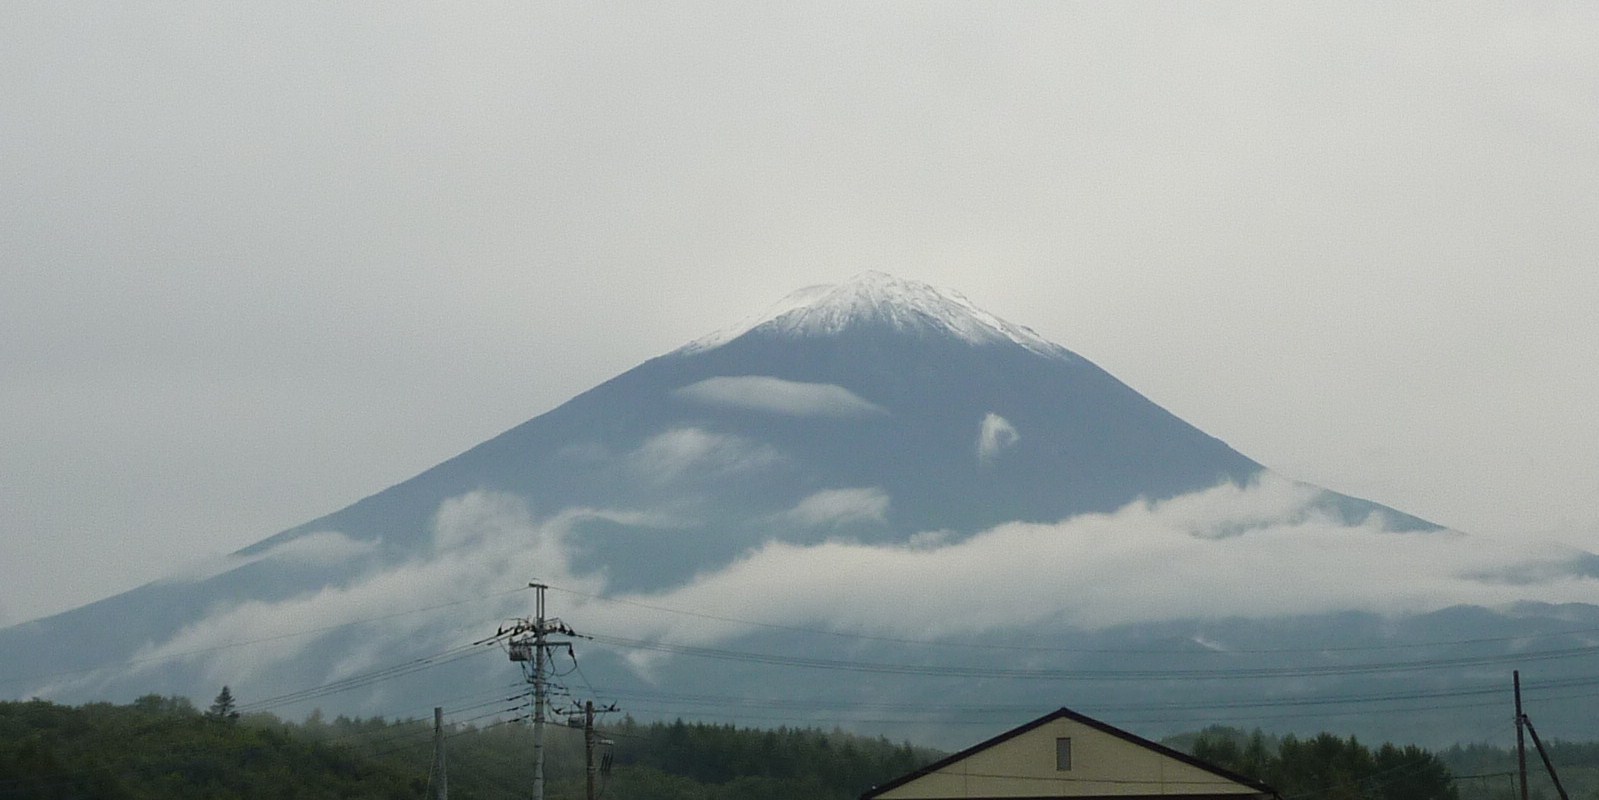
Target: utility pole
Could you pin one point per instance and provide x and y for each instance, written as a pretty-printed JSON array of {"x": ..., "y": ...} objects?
[
  {"x": 441, "y": 789},
  {"x": 1521, "y": 737},
  {"x": 530, "y": 645},
  {"x": 1524, "y": 722},
  {"x": 1547, "y": 764},
  {"x": 590, "y": 768},
  {"x": 539, "y": 642},
  {"x": 591, "y": 741}
]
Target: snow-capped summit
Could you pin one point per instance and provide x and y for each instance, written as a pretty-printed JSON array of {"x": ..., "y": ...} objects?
[{"x": 879, "y": 298}]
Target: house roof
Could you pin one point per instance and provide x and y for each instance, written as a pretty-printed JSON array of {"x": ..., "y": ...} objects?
[{"x": 1066, "y": 713}]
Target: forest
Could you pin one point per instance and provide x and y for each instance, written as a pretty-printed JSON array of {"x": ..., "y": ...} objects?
[
  {"x": 166, "y": 747},
  {"x": 1327, "y": 766}
]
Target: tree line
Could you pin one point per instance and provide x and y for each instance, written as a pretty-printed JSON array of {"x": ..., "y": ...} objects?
[
  {"x": 1330, "y": 767},
  {"x": 164, "y": 747},
  {"x": 1484, "y": 772}
]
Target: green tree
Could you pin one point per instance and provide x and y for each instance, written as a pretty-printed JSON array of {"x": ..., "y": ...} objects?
[
  {"x": 224, "y": 707},
  {"x": 1326, "y": 766}
]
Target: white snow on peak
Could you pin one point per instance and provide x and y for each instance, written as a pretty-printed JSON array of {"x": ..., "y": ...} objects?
[{"x": 880, "y": 298}]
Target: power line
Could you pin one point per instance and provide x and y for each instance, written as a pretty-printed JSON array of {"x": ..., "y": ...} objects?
[
  {"x": 949, "y": 670},
  {"x": 1324, "y": 706},
  {"x": 440, "y": 658}
]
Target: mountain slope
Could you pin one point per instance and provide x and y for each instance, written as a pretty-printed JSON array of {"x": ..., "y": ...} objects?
[
  {"x": 879, "y": 421},
  {"x": 877, "y": 383}
]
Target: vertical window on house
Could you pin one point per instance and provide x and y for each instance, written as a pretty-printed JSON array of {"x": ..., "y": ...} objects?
[{"x": 1063, "y": 754}]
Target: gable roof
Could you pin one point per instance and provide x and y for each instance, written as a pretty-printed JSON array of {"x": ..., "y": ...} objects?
[{"x": 1066, "y": 713}]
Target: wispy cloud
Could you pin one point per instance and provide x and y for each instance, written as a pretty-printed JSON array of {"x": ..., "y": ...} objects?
[
  {"x": 1259, "y": 551},
  {"x": 1264, "y": 550},
  {"x": 777, "y": 396},
  {"x": 318, "y": 549},
  {"x": 995, "y": 434},
  {"x": 696, "y": 452},
  {"x": 834, "y": 507},
  {"x": 481, "y": 539}
]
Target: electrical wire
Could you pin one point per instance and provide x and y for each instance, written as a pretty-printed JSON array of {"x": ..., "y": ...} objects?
[
  {"x": 958, "y": 671},
  {"x": 440, "y": 658},
  {"x": 1324, "y": 706}
]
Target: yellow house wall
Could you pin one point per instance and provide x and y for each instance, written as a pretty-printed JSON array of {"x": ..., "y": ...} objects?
[{"x": 1024, "y": 766}]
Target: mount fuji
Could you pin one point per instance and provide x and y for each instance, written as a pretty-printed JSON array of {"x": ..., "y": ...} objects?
[{"x": 874, "y": 505}]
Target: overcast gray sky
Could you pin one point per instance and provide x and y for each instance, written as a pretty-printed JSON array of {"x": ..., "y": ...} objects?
[{"x": 260, "y": 260}]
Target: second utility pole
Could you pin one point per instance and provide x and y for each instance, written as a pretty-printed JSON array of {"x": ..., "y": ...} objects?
[
  {"x": 1521, "y": 738},
  {"x": 441, "y": 789},
  {"x": 588, "y": 745}
]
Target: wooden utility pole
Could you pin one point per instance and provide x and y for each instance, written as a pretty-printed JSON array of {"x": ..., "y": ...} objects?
[
  {"x": 1547, "y": 764},
  {"x": 1524, "y": 722},
  {"x": 1521, "y": 737},
  {"x": 441, "y": 788},
  {"x": 588, "y": 745}
]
